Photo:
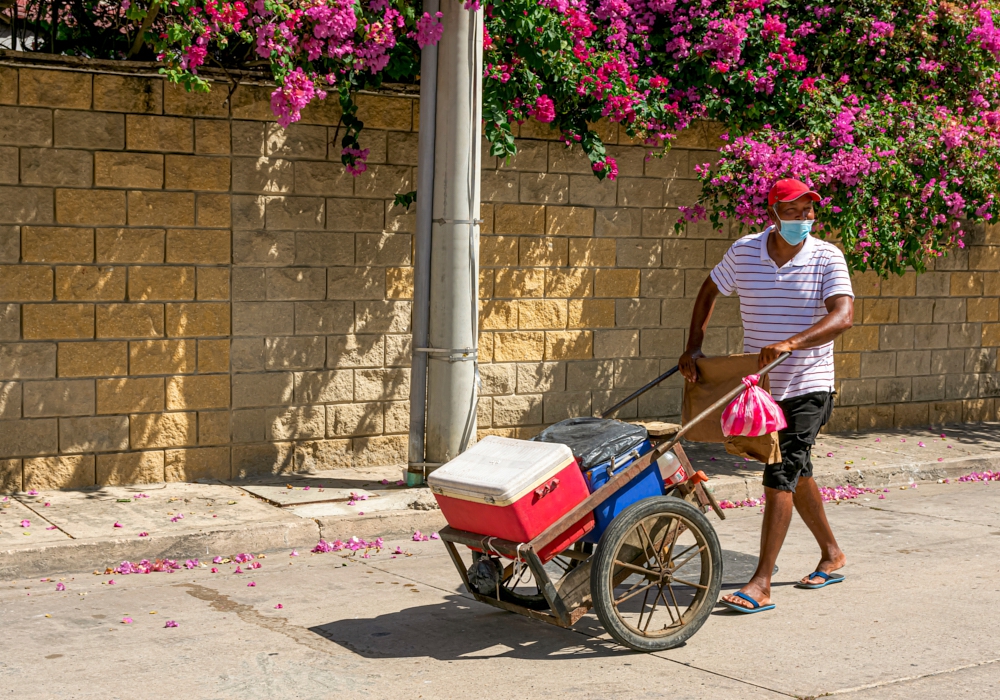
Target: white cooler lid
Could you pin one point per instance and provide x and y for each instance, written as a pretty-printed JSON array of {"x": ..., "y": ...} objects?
[{"x": 498, "y": 470}]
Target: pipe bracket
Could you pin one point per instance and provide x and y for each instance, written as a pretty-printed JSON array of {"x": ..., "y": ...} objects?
[{"x": 454, "y": 355}]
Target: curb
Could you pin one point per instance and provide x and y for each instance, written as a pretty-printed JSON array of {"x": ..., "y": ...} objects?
[
  {"x": 733, "y": 488},
  {"x": 87, "y": 555}
]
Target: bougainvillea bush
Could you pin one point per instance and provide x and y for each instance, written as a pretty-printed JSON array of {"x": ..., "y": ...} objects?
[{"x": 890, "y": 108}]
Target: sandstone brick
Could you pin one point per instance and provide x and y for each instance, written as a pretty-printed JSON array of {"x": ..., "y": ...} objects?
[
  {"x": 247, "y": 211},
  {"x": 294, "y": 213},
  {"x": 93, "y": 434},
  {"x": 198, "y": 320},
  {"x": 54, "y": 88},
  {"x": 213, "y": 210},
  {"x": 383, "y": 249},
  {"x": 273, "y": 175},
  {"x": 591, "y": 313},
  {"x": 355, "y": 283},
  {"x": 519, "y": 283},
  {"x": 499, "y": 186},
  {"x": 572, "y": 282},
  {"x": 197, "y": 463},
  {"x": 270, "y": 389},
  {"x": 978, "y": 410},
  {"x": 58, "y": 398},
  {"x": 135, "y": 170},
  {"x": 928, "y": 388},
  {"x": 517, "y": 410},
  {"x": 569, "y": 221},
  {"x": 324, "y": 317},
  {"x": 322, "y": 178},
  {"x": 56, "y": 244},
  {"x": 380, "y": 450},
  {"x": 390, "y": 113},
  {"x": 155, "y": 133},
  {"x": 10, "y": 322},
  {"x": 128, "y": 93},
  {"x": 27, "y": 361},
  {"x": 569, "y": 345},
  {"x": 298, "y": 283},
  {"x": 129, "y": 320},
  {"x": 213, "y": 355},
  {"x": 213, "y": 428},
  {"x": 150, "y": 430},
  {"x": 495, "y": 251},
  {"x": 544, "y": 188},
  {"x": 123, "y": 245},
  {"x": 588, "y": 190},
  {"x": 354, "y": 215},
  {"x": 322, "y": 248},
  {"x": 911, "y": 414},
  {"x": 518, "y": 218},
  {"x": 383, "y": 181},
  {"x": 89, "y": 207},
  {"x": 354, "y": 419},
  {"x": 197, "y": 173},
  {"x": 11, "y": 473},
  {"x": 8, "y": 85},
  {"x": 180, "y": 101},
  {"x": 271, "y": 318},
  {"x": 94, "y": 359},
  {"x": 963, "y": 335},
  {"x": 978, "y": 310},
  {"x": 320, "y": 455},
  {"x": 300, "y": 422},
  {"x": 198, "y": 246},
  {"x": 90, "y": 283},
  {"x": 263, "y": 248},
  {"x": 130, "y": 468},
  {"x": 129, "y": 395},
  {"x": 24, "y": 126},
  {"x": 590, "y": 252},
  {"x": 57, "y": 321},
  {"x": 543, "y": 252},
  {"x": 881, "y": 311},
  {"x": 616, "y": 283},
  {"x": 149, "y": 283},
  {"x": 212, "y": 137},
  {"x": 149, "y": 208},
  {"x": 617, "y": 223},
  {"x": 270, "y": 458},
  {"x": 29, "y": 437},
  {"x": 25, "y": 283},
  {"x": 198, "y": 392},
  {"x": 518, "y": 346},
  {"x": 9, "y": 165},
  {"x": 616, "y": 343},
  {"x": 59, "y": 167},
  {"x": 966, "y": 284},
  {"x": 496, "y": 315},
  {"x": 382, "y": 316},
  {"x": 542, "y": 314},
  {"x": 162, "y": 357},
  {"x": 298, "y": 141},
  {"x": 684, "y": 254},
  {"x": 10, "y": 402},
  {"x": 26, "y": 205},
  {"x": 91, "y": 130},
  {"x": 213, "y": 283},
  {"x": 249, "y": 284},
  {"x": 298, "y": 352},
  {"x": 381, "y": 384},
  {"x": 66, "y": 472},
  {"x": 355, "y": 351},
  {"x": 663, "y": 343},
  {"x": 399, "y": 283}
]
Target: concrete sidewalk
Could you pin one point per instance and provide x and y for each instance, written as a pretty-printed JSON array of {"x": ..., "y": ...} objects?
[{"x": 84, "y": 530}]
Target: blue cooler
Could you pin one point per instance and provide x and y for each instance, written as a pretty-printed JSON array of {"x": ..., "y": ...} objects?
[{"x": 648, "y": 483}]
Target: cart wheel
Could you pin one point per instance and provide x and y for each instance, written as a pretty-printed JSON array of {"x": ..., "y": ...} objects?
[{"x": 657, "y": 574}]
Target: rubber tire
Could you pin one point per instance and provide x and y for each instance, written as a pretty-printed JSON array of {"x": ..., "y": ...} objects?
[{"x": 600, "y": 573}]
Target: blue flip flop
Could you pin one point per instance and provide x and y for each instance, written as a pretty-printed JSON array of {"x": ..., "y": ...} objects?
[
  {"x": 757, "y": 607},
  {"x": 827, "y": 580}
]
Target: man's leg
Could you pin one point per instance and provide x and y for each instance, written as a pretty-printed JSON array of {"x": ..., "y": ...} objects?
[
  {"x": 777, "y": 517},
  {"x": 809, "y": 505}
]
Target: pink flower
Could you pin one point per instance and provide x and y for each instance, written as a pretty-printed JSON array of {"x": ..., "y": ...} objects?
[
  {"x": 144, "y": 534},
  {"x": 111, "y": 582},
  {"x": 429, "y": 30},
  {"x": 126, "y": 620},
  {"x": 191, "y": 564},
  {"x": 279, "y": 606},
  {"x": 215, "y": 570},
  {"x": 25, "y": 523},
  {"x": 170, "y": 623},
  {"x": 435, "y": 536},
  {"x": 252, "y": 584},
  {"x": 32, "y": 492},
  {"x": 217, "y": 560},
  {"x": 255, "y": 565},
  {"x": 238, "y": 570},
  {"x": 117, "y": 524},
  {"x": 60, "y": 586},
  {"x": 294, "y": 554},
  {"x": 544, "y": 109}
]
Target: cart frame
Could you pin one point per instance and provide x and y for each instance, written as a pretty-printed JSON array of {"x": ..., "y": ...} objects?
[{"x": 569, "y": 597}]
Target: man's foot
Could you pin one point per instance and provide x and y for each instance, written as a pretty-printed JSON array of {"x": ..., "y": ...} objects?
[
  {"x": 827, "y": 565},
  {"x": 753, "y": 590}
]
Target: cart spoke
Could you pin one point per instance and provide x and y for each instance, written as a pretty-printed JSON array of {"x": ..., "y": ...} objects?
[
  {"x": 677, "y": 533},
  {"x": 656, "y": 556},
  {"x": 680, "y": 617},
  {"x": 633, "y": 593},
  {"x": 642, "y": 609},
  {"x": 637, "y": 569},
  {"x": 692, "y": 556},
  {"x": 656, "y": 598},
  {"x": 689, "y": 583}
]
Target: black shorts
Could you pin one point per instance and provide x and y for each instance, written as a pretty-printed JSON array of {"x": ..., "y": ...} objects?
[{"x": 805, "y": 415}]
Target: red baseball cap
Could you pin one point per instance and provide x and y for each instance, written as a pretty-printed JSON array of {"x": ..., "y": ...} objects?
[{"x": 789, "y": 190}]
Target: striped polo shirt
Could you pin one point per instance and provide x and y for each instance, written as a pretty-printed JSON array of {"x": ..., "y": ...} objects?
[{"x": 779, "y": 302}]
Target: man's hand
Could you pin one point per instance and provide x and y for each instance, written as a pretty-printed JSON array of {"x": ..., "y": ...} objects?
[
  {"x": 688, "y": 364},
  {"x": 772, "y": 352}
]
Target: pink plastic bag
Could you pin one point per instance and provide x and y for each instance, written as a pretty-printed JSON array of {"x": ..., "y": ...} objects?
[{"x": 753, "y": 413}]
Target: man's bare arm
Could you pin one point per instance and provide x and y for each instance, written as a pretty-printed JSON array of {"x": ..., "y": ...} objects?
[
  {"x": 700, "y": 316},
  {"x": 839, "y": 317}
]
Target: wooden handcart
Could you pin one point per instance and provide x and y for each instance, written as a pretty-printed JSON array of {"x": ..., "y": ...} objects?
[{"x": 653, "y": 578}]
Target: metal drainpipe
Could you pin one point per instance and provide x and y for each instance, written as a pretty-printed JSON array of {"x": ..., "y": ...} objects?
[{"x": 422, "y": 255}]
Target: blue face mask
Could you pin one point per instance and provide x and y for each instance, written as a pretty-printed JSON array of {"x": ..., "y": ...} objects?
[{"x": 794, "y": 232}]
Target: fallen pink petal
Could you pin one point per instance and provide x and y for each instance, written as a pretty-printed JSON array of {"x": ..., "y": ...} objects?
[
  {"x": 214, "y": 570},
  {"x": 217, "y": 560},
  {"x": 256, "y": 565},
  {"x": 435, "y": 536},
  {"x": 52, "y": 527},
  {"x": 252, "y": 584},
  {"x": 60, "y": 586},
  {"x": 829, "y": 454},
  {"x": 32, "y": 492},
  {"x": 25, "y": 523},
  {"x": 279, "y": 606},
  {"x": 143, "y": 534},
  {"x": 191, "y": 564},
  {"x": 111, "y": 582},
  {"x": 47, "y": 505},
  {"x": 126, "y": 620},
  {"x": 238, "y": 570},
  {"x": 294, "y": 554},
  {"x": 117, "y": 524},
  {"x": 170, "y": 623},
  {"x": 920, "y": 444}
]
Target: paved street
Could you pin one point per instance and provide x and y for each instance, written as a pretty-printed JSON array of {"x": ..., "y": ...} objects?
[{"x": 916, "y": 618}]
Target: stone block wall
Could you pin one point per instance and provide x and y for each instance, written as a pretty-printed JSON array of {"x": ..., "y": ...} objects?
[{"x": 188, "y": 291}]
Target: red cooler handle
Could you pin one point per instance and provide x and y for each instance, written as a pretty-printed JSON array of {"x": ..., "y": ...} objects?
[{"x": 548, "y": 488}]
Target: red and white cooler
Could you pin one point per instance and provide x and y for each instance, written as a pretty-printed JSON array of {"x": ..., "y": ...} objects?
[{"x": 512, "y": 489}]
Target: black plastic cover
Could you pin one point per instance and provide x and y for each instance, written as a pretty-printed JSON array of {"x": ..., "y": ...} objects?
[{"x": 594, "y": 441}]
